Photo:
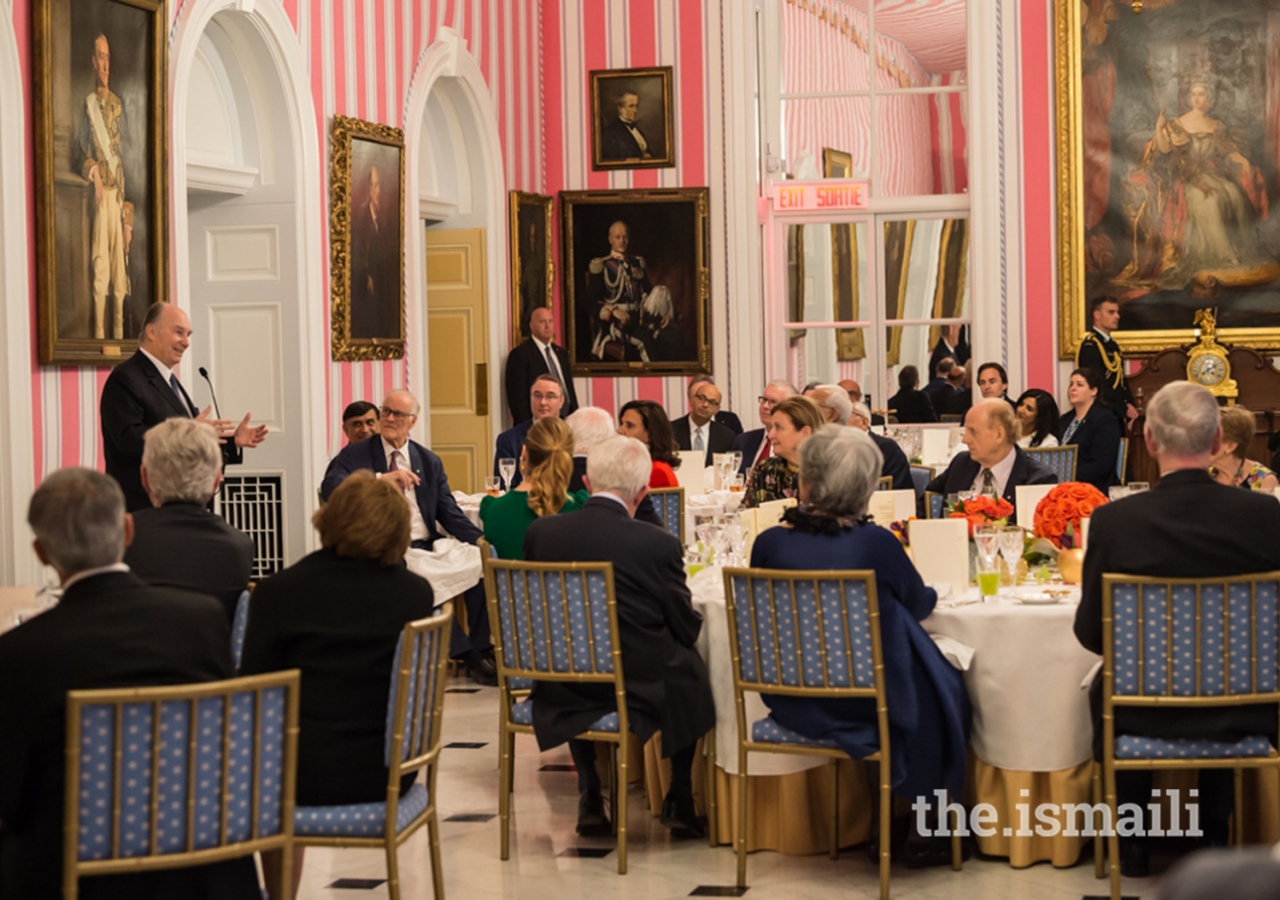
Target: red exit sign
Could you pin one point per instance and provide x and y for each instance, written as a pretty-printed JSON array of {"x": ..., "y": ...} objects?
[{"x": 824, "y": 195}]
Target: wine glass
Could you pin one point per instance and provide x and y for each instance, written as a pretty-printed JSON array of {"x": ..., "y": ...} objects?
[
  {"x": 507, "y": 467},
  {"x": 736, "y": 456},
  {"x": 1011, "y": 548}
]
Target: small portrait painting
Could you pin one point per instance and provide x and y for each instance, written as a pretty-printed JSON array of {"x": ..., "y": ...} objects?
[
  {"x": 636, "y": 281},
  {"x": 101, "y": 159},
  {"x": 632, "y": 118},
  {"x": 367, "y": 240},
  {"x": 532, "y": 269}
]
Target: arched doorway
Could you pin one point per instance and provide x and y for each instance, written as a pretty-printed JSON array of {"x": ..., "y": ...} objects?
[{"x": 247, "y": 215}]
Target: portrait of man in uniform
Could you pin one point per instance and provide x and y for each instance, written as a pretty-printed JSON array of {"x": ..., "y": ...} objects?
[{"x": 632, "y": 118}]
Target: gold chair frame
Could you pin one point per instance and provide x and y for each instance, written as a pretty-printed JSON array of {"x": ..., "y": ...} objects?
[
  {"x": 884, "y": 483},
  {"x": 877, "y": 693},
  {"x": 1110, "y": 700},
  {"x": 73, "y": 868},
  {"x": 1071, "y": 450},
  {"x": 423, "y": 755},
  {"x": 655, "y": 493},
  {"x": 507, "y": 729}
]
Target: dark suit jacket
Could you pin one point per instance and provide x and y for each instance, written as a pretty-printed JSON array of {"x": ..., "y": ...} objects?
[
  {"x": 912, "y": 406},
  {"x": 508, "y": 446},
  {"x": 666, "y": 680},
  {"x": 1186, "y": 526},
  {"x": 525, "y": 363},
  {"x": 645, "y": 512},
  {"x": 941, "y": 397},
  {"x": 719, "y": 438},
  {"x": 134, "y": 398},
  {"x": 186, "y": 546},
  {"x": 110, "y": 630},
  {"x": 961, "y": 353},
  {"x": 748, "y": 444},
  {"x": 896, "y": 465},
  {"x": 729, "y": 420},
  {"x": 617, "y": 142},
  {"x": 1098, "y": 440},
  {"x": 960, "y": 475},
  {"x": 435, "y": 500},
  {"x": 959, "y": 403},
  {"x": 337, "y": 620}
]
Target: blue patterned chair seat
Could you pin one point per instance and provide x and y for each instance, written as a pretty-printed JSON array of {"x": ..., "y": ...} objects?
[
  {"x": 767, "y": 731},
  {"x": 1134, "y": 747},
  {"x": 520, "y": 684},
  {"x": 358, "y": 819},
  {"x": 522, "y": 714}
]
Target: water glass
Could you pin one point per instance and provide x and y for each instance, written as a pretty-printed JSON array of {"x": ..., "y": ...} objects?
[
  {"x": 987, "y": 540},
  {"x": 736, "y": 456},
  {"x": 507, "y": 467},
  {"x": 736, "y": 483},
  {"x": 492, "y": 485},
  {"x": 1137, "y": 487},
  {"x": 988, "y": 577},
  {"x": 1011, "y": 548}
]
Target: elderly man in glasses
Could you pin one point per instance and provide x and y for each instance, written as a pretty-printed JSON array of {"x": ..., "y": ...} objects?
[
  {"x": 698, "y": 430},
  {"x": 546, "y": 398},
  {"x": 753, "y": 445}
]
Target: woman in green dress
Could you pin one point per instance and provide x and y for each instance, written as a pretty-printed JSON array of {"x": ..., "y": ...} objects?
[{"x": 546, "y": 464}]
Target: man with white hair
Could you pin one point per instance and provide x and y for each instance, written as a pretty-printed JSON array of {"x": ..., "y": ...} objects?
[
  {"x": 994, "y": 464},
  {"x": 1186, "y": 526},
  {"x": 591, "y": 425},
  {"x": 837, "y": 408},
  {"x": 178, "y": 542},
  {"x": 753, "y": 445},
  {"x": 667, "y": 685},
  {"x": 109, "y": 630}
]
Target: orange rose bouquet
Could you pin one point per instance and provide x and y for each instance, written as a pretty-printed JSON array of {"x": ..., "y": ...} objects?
[
  {"x": 1059, "y": 512},
  {"x": 982, "y": 510}
]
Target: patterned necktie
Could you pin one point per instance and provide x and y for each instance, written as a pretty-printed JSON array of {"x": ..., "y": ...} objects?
[
  {"x": 395, "y": 461},
  {"x": 697, "y": 440},
  {"x": 551, "y": 364},
  {"x": 988, "y": 482},
  {"x": 177, "y": 391}
]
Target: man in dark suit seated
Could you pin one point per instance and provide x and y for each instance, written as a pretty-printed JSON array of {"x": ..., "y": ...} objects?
[
  {"x": 1186, "y": 526},
  {"x": 697, "y": 429},
  {"x": 753, "y": 445},
  {"x": 959, "y": 402},
  {"x": 420, "y": 475},
  {"x": 360, "y": 421},
  {"x": 723, "y": 417},
  {"x": 939, "y": 375},
  {"x": 836, "y": 408},
  {"x": 591, "y": 425},
  {"x": 109, "y": 631},
  {"x": 539, "y": 355},
  {"x": 994, "y": 463},
  {"x": 910, "y": 405},
  {"x": 178, "y": 542},
  {"x": 667, "y": 685},
  {"x": 546, "y": 397},
  {"x": 940, "y": 390}
]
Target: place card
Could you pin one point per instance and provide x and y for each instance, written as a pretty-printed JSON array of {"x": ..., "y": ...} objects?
[
  {"x": 935, "y": 443},
  {"x": 1027, "y": 496},
  {"x": 891, "y": 506},
  {"x": 940, "y": 548},
  {"x": 770, "y": 513},
  {"x": 692, "y": 471}
]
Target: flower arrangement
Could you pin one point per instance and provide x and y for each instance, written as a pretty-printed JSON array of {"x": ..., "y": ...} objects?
[
  {"x": 1059, "y": 512},
  {"x": 983, "y": 510}
]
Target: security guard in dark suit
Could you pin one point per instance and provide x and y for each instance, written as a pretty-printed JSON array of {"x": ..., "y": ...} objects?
[{"x": 1099, "y": 351}]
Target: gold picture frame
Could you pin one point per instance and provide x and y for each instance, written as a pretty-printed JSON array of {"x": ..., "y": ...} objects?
[
  {"x": 102, "y": 215},
  {"x": 850, "y": 343},
  {"x": 648, "y": 141},
  {"x": 533, "y": 268},
  {"x": 366, "y": 241},
  {"x": 1114, "y": 39},
  {"x": 654, "y": 316}
]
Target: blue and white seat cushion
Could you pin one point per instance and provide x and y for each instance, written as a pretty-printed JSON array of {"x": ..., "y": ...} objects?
[
  {"x": 522, "y": 714},
  {"x": 1135, "y": 747},
  {"x": 358, "y": 819},
  {"x": 767, "y": 731}
]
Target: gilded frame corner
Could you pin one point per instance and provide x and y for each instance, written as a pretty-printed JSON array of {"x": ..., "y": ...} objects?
[
  {"x": 600, "y": 78},
  {"x": 519, "y": 200},
  {"x": 342, "y": 263}
]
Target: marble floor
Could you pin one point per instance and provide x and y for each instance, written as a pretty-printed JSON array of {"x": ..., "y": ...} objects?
[{"x": 542, "y": 866}]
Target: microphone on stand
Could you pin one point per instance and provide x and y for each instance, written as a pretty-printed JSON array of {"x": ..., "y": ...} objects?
[{"x": 204, "y": 373}]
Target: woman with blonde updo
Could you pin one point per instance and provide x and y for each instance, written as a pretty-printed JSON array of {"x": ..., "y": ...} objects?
[{"x": 546, "y": 465}]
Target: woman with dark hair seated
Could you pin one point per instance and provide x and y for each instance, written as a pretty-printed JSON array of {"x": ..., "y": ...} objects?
[
  {"x": 928, "y": 704},
  {"x": 647, "y": 422},
  {"x": 1037, "y": 419},
  {"x": 1093, "y": 428},
  {"x": 546, "y": 465},
  {"x": 778, "y": 477},
  {"x": 337, "y": 615},
  {"x": 910, "y": 405}
]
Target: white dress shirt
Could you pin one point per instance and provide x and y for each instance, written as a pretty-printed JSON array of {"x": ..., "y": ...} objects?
[
  {"x": 165, "y": 372},
  {"x": 417, "y": 525},
  {"x": 1000, "y": 473},
  {"x": 554, "y": 362},
  {"x": 89, "y": 573}
]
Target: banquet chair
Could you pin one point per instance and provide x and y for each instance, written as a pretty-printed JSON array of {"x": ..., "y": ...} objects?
[
  {"x": 934, "y": 505},
  {"x": 884, "y": 483},
  {"x": 134, "y": 801},
  {"x": 556, "y": 622},
  {"x": 1122, "y": 459},
  {"x": 1060, "y": 460},
  {"x": 1202, "y": 642},
  {"x": 669, "y": 503},
  {"x": 920, "y": 477},
  {"x": 415, "y": 718},
  {"x": 768, "y": 611},
  {"x": 238, "y": 626}
]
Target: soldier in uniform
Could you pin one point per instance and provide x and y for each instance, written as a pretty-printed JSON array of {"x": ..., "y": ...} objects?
[
  {"x": 96, "y": 155},
  {"x": 1098, "y": 351},
  {"x": 627, "y": 308}
]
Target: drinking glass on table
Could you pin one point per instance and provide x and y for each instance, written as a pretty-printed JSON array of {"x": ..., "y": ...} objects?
[
  {"x": 736, "y": 484},
  {"x": 507, "y": 466},
  {"x": 492, "y": 486},
  {"x": 736, "y": 456},
  {"x": 1137, "y": 487},
  {"x": 1011, "y": 548},
  {"x": 986, "y": 540},
  {"x": 1117, "y": 492}
]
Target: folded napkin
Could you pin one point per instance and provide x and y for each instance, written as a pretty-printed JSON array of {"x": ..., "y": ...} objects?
[
  {"x": 1093, "y": 673},
  {"x": 450, "y": 566},
  {"x": 464, "y": 499},
  {"x": 958, "y": 654}
]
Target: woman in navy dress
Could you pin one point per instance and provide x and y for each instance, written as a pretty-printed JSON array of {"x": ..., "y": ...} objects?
[{"x": 928, "y": 704}]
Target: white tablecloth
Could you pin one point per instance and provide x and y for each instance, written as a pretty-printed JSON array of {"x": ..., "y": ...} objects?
[
  {"x": 1029, "y": 711},
  {"x": 713, "y": 645}
]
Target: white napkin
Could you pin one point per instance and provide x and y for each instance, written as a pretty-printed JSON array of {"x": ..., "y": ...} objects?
[
  {"x": 450, "y": 566},
  {"x": 1093, "y": 673},
  {"x": 958, "y": 654}
]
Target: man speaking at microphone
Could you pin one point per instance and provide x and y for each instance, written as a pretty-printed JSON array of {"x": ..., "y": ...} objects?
[{"x": 144, "y": 391}]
